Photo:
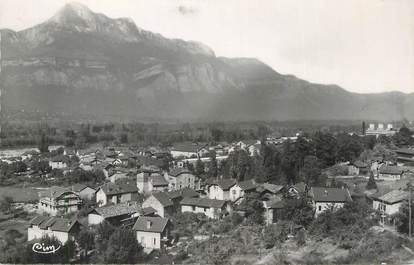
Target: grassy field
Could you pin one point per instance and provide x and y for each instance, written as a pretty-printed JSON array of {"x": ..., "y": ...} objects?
[{"x": 20, "y": 194}]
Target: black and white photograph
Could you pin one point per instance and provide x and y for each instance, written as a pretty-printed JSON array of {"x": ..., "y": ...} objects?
[{"x": 216, "y": 132}]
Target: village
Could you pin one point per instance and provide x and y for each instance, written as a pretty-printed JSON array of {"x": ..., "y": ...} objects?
[{"x": 169, "y": 198}]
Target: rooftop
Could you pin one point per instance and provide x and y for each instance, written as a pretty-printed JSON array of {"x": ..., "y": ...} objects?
[
  {"x": 323, "y": 194},
  {"x": 54, "y": 223},
  {"x": 203, "y": 202},
  {"x": 151, "y": 224}
]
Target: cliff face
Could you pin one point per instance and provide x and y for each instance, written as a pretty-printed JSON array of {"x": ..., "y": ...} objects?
[{"x": 80, "y": 63}]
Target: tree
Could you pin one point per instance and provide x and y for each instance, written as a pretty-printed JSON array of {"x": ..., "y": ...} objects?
[
  {"x": 6, "y": 204},
  {"x": 254, "y": 210},
  {"x": 86, "y": 239},
  {"x": 43, "y": 144},
  {"x": 122, "y": 247},
  {"x": 213, "y": 167},
  {"x": 402, "y": 218},
  {"x": 311, "y": 172},
  {"x": 403, "y": 137},
  {"x": 371, "y": 185},
  {"x": 199, "y": 168}
]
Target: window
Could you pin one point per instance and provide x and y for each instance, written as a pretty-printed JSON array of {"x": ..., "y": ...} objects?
[
  {"x": 193, "y": 208},
  {"x": 155, "y": 241},
  {"x": 319, "y": 208}
]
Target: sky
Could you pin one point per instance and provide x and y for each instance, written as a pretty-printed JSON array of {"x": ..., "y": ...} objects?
[{"x": 365, "y": 46}]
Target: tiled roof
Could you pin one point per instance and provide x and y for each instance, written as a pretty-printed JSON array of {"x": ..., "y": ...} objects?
[
  {"x": 226, "y": 184},
  {"x": 272, "y": 187},
  {"x": 54, "y": 192},
  {"x": 391, "y": 170},
  {"x": 113, "y": 210},
  {"x": 203, "y": 202},
  {"x": 323, "y": 194},
  {"x": 247, "y": 185},
  {"x": 122, "y": 188},
  {"x": 394, "y": 196},
  {"x": 185, "y": 192},
  {"x": 78, "y": 187},
  {"x": 158, "y": 180},
  {"x": 157, "y": 224},
  {"x": 177, "y": 171},
  {"x": 54, "y": 223},
  {"x": 163, "y": 198},
  {"x": 360, "y": 164}
]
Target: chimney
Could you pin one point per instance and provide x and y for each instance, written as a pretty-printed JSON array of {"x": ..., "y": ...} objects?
[{"x": 149, "y": 224}]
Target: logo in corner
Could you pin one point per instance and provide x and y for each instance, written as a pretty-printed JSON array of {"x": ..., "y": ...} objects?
[{"x": 45, "y": 249}]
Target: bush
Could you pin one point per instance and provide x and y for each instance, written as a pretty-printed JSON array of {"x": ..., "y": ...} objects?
[{"x": 275, "y": 233}]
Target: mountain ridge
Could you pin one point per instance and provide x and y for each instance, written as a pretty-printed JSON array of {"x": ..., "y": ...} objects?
[{"x": 108, "y": 66}]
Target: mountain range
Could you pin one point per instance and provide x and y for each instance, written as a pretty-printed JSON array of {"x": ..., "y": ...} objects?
[{"x": 83, "y": 63}]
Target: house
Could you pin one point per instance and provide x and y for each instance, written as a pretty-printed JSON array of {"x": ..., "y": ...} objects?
[
  {"x": 220, "y": 190},
  {"x": 152, "y": 232},
  {"x": 214, "y": 209},
  {"x": 295, "y": 191},
  {"x": 148, "y": 182},
  {"x": 387, "y": 172},
  {"x": 241, "y": 188},
  {"x": 117, "y": 175},
  {"x": 117, "y": 214},
  {"x": 358, "y": 168},
  {"x": 61, "y": 228},
  {"x": 161, "y": 202},
  {"x": 250, "y": 146},
  {"x": 116, "y": 193},
  {"x": 272, "y": 209},
  {"x": 58, "y": 200},
  {"x": 405, "y": 156},
  {"x": 267, "y": 191},
  {"x": 328, "y": 198},
  {"x": 83, "y": 191},
  {"x": 188, "y": 149},
  {"x": 389, "y": 203},
  {"x": 180, "y": 178},
  {"x": 58, "y": 162}
]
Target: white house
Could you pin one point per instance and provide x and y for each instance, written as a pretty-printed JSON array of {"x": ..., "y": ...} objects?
[
  {"x": 61, "y": 228},
  {"x": 329, "y": 198},
  {"x": 116, "y": 193},
  {"x": 213, "y": 209},
  {"x": 390, "y": 202},
  {"x": 58, "y": 200},
  {"x": 152, "y": 232},
  {"x": 386, "y": 172},
  {"x": 58, "y": 162},
  {"x": 83, "y": 191},
  {"x": 180, "y": 178},
  {"x": 220, "y": 190},
  {"x": 241, "y": 188},
  {"x": 161, "y": 202},
  {"x": 147, "y": 182}
]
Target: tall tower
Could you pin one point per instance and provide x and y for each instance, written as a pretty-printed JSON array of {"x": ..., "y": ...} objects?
[
  {"x": 363, "y": 128},
  {"x": 1, "y": 88}
]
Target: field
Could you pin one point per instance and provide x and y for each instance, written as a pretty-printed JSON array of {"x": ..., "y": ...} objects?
[{"x": 20, "y": 194}]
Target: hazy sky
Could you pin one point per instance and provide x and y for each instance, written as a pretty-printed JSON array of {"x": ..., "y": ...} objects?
[{"x": 361, "y": 45}]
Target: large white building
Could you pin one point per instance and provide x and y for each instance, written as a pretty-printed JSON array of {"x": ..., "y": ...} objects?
[
  {"x": 152, "y": 232},
  {"x": 329, "y": 198},
  {"x": 58, "y": 200},
  {"x": 61, "y": 228}
]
